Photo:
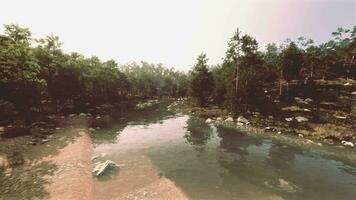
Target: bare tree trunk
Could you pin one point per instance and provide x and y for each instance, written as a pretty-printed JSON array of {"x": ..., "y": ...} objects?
[{"x": 280, "y": 87}]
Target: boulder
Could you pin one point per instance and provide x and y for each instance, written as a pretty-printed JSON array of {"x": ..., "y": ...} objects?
[
  {"x": 289, "y": 119},
  {"x": 91, "y": 129},
  {"x": 300, "y": 135},
  {"x": 346, "y": 143},
  {"x": 82, "y": 115},
  {"x": 229, "y": 119},
  {"x": 100, "y": 168},
  {"x": 301, "y": 119},
  {"x": 269, "y": 128},
  {"x": 340, "y": 117},
  {"x": 240, "y": 124},
  {"x": 208, "y": 121},
  {"x": 219, "y": 119},
  {"x": 243, "y": 120}
]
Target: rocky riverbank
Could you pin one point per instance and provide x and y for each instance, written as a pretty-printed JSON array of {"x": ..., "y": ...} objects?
[{"x": 337, "y": 134}]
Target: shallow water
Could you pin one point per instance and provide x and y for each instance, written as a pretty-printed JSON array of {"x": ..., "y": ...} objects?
[{"x": 209, "y": 162}]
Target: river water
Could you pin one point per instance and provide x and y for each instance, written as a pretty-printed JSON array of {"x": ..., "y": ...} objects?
[{"x": 211, "y": 162}]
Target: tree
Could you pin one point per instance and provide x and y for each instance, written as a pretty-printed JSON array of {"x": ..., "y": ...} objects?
[
  {"x": 19, "y": 81},
  {"x": 291, "y": 62},
  {"x": 202, "y": 81}
]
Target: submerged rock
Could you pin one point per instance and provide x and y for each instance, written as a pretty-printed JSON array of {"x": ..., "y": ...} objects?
[{"x": 100, "y": 168}]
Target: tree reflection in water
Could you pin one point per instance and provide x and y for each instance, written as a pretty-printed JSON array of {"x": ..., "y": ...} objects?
[{"x": 198, "y": 133}]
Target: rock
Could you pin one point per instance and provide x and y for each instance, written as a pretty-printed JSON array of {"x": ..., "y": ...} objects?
[
  {"x": 82, "y": 115},
  {"x": 71, "y": 115},
  {"x": 44, "y": 141},
  {"x": 243, "y": 120},
  {"x": 2, "y": 129},
  {"x": 301, "y": 119},
  {"x": 347, "y": 84},
  {"x": 94, "y": 157},
  {"x": 286, "y": 186},
  {"x": 240, "y": 124},
  {"x": 340, "y": 117},
  {"x": 346, "y": 143},
  {"x": 4, "y": 163},
  {"x": 97, "y": 128},
  {"x": 306, "y": 110},
  {"x": 307, "y": 141},
  {"x": 255, "y": 113},
  {"x": 91, "y": 129},
  {"x": 208, "y": 121},
  {"x": 270, "y": 117},
  {"x": 300, "y": 135},
  {"x": 98, "y": 117},
  {"x": 319, "y": 144},
  {"x": 353, "y": 93},
  {"x": 229, "y": 119},
  {"x": 269, "y": 128},
  {"x": 289, "y": 119},
  {"x": 101, "y": 167},
  {"x": 279, "y": 132},
  {"x": 219, "y": 119}
]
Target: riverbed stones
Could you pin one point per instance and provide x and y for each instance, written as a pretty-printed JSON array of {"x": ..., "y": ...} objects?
[
  {"x": 100, "y": 168},
  {"x": 301, "y": 119},
  {"x": 240, "y": 124},
  {"x": 243, "y": 120},
  {"x": 300, "y": 135},
  {"x": 229, "y": 119},
  {"x": 208, "y": 121},
  {"x": 346, "y": 143},
  {"x": 289, "y": 119}
]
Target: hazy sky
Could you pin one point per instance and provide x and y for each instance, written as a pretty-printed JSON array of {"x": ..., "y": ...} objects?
[{"x": 174, "y": 32}]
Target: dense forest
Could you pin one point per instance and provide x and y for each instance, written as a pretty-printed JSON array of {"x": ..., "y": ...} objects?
[
  {"x": 37, "y": 73},
  {"x": 246, "y": 76}
]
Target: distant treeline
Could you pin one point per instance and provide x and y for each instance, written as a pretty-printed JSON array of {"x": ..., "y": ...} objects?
[
  {"x": 34, "y": 72},
  {"x": 239, "y": 82}
]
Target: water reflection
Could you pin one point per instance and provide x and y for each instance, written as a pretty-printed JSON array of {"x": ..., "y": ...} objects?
[
  {"x": 154, "y": 114},
  {"x": 223, "y": 163},
  {"x": 198, "y": 133}
]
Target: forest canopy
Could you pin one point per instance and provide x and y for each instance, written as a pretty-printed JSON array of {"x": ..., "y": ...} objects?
[{"x": 34, "y": 72}]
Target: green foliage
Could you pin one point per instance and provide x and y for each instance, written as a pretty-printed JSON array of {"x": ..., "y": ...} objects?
[
  {"x": 36, "y": 71},
  {"x": 202, "y": 80},
  {"x": 291, "y": 62}
]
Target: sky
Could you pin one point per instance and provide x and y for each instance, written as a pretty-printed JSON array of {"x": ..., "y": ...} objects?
[{"x": 174, "y": 32}]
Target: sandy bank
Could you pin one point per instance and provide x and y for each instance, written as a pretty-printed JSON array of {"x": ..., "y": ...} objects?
[{"x": 73, "y": 179}]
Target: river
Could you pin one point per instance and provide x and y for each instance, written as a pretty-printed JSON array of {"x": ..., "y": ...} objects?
[{"x": 165, "y": 155}]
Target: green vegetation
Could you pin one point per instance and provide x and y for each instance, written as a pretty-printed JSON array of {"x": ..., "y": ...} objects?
[
  {"x": 36, "y": 75},
  {"x": 246, "y": 76}
]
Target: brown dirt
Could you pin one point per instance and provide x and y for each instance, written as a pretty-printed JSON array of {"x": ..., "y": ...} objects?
[
  {"x": 73, "y": 179},
  {"x": 137, "y": 179}
]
